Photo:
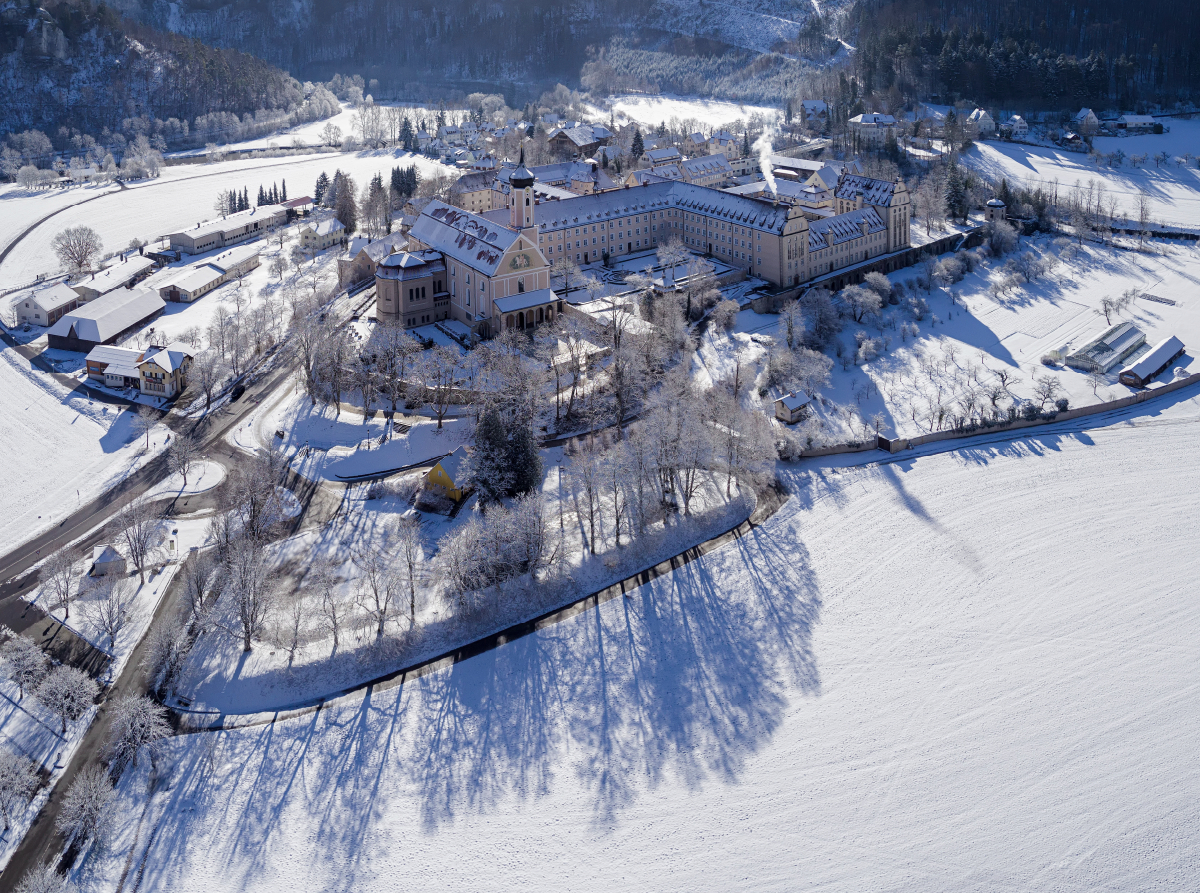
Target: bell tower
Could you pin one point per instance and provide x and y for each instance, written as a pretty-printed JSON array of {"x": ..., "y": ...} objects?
[{"x": 521, "y": 208}]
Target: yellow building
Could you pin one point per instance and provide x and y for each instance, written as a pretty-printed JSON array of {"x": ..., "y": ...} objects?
[{"x": 448, "y": 474}]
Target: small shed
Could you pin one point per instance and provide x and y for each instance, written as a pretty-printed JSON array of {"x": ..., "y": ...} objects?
[
  {"x": 793, "y": 408},
  {"x": 107, "y": 560},
  {"x": 448, "y": 474},
  {"x": 1152, "y": 364}
]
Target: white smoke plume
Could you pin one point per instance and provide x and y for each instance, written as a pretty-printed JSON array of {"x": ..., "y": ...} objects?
[{"x": 762, "y": 146}]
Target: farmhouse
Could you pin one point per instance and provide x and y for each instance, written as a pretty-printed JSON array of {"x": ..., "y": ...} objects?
[
  {"x": 229, "y": 230},
  {"x": 1017, "y": 127},
  {"x": 104, "y": 320},
  {"x": 122, "y": 275},
  {"x": 1086, "y": 122},
  {"x": 980, "y": 125},
  {"x": 1152, "y": 364},
  {"x": 163, "y": 371},
  {"x": 1108, "y": 349},
  {"x": 45, "y": 306}
]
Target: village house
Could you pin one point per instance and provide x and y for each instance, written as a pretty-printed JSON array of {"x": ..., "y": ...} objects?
[
  {"x": 121, "y": 275},
  {"x": 1085, "y": 122},
  {"x": 104, "y": 320},
  {"x": 447, "y": 474},
  {"x": 664, "y": 156},
  {"x": 695, "y": 143},
  {"x": 709, "y": 170},
  {"x": 1017, "y": 127},
  {"x": 579, "y": 141},
  {"x": 979, "y": 125},
  {"x": 793, "y": 408},
  {"x": 229, "y": 230},
  {"x": 46, "y": 306},
  {"x": 814, "y": 112},
  {"x": 114, "y": 367},
  {"x": 724, "y": 143},
  {"x": 322, "y": 235},
  {"x": 163, "y": 371}
]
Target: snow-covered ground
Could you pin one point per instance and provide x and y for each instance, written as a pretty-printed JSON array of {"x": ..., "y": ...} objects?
[
  {"x": 654, "y": 110},
  {"x": 971, "y": 670},
  {"x": 180, "y": 198},
  {"x": 1173, "y": 188},
  {"x": 201, "y": 477},
  {"x": 61, "y": 449}
]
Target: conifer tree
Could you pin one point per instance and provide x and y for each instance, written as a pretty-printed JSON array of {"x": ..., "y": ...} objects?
[
  {"x": 283, "y": 191},
  {"x": 319, "y": 189},
  {"x": 638, "y": 148}
]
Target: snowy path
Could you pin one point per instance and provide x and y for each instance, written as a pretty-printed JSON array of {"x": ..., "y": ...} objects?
[{"x": 974, "y": 670}]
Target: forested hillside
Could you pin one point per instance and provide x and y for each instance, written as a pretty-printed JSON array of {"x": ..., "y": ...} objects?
[
  {"x": 1046, "y": 52},
  {"x": 83, "y": 65}
]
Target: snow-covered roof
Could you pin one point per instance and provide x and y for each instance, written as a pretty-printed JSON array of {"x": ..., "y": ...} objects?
[
  {"x": 410, "y": 265},
  {"x": 1082, "y": 114},
  {"x": 116, "y": 276},
  {"x": 105, "y": 555},
  {"x": 473, "y": 182},
  {"x": 792, "y": 402},
  {"x": 383, "y": 246},
  {"x": 660, "y": 156},
  {"x": 196, "y": 278},
  {"x": 122, "y": 370},
  {"x": 1109, "y": 347},
  {"x": 235, "y": 221},
  {"x": 168, "y": 358},
  {"x": 227, "y": 260},
  {"x": 327, "y": 227},
  {"x": 653, "y": 197},
  {"x": 451, "y": 465},
  {"x": 109, "y": 315},
  {"x": 978, "y": 115},
  {"x": 51, "y": 298},
  {"x": 524, "y": 301},
  {"x": 843, "y": 227},
  {"x": 812, "y": 106},
  {"x": 109, "y": 355},
  {"x": 873, "y": 119},
  {"x": 1159, "y": 355},
  {"x": 708, "y": 165},
  {"x": 469, "y": 238},
  {"x": 874, "y": 192},
  {"x": 583, "y": 135},
  {"x": 1136, "y": 119}
]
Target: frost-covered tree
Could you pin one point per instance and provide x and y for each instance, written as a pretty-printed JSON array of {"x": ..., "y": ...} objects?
[
  {"x": 138, "y": 526},
  {"x": 137, "y": 723},
  {"x": 792, "y": 318},
  {"x": 167, "y": 647},
  {"x": 44, "y": 879},
  {"x": 77, "y": 248},
  {"x": 379, "y": 588},
  {"x": 182, "y": 453},
  {"x": 58, "y": 577},
  {"x": 1045, "y": 389},
  {"x": 67, "y": 693},
  {"x": 410, "y": 554},
  {"x": 23, "y": 661},
  {"x": 18, "y": 781},
  {"x": 86, "y": 802},
  {"x": 108, "y": 608}
]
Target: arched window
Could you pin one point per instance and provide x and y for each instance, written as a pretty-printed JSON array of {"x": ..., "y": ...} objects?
[{"x": 508, "y": 323}]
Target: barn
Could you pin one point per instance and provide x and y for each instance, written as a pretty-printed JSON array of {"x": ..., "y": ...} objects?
[
  {"x": 1152, "y": 364},
  {"x": 104, "y": 320}
]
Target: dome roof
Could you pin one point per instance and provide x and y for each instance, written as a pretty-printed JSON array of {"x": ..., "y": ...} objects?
[{"x": 521, "y": 178}]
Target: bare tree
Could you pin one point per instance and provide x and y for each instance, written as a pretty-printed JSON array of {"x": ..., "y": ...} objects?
[
  {"x": 250, "y": 585},
  {"x": 85, "y": 804},
  {"x": 792, "y": 318},
  {"x": 1045, "y": 389},
  {"x": 196, "y": 577},
  {"x": 184, "y": 450},
  {"x": 439, "y": 369},
  {"x": 325, "y": 581},
  {"x": 18, "y": 781},
  {"x": 108, "y": 609},
  {"x": 144, "y": 421},
  {"x": 23, "y": 661},
  {"x": 167, "y": 647},
  {"x": 77, "y": 248},
  {"x": 1095, "y": 379},
  {"x": 208, "y": 371},
  {"x": 296, "y": 612},
  {"x": 137, "y": 722},
  {"x": 410, "y": 551},
  {"x": 58, "y": 574},
  {"x": 378, "y": 587},
  {"x": 67, "y": 693},
  {"x": 44, "y": 879},
  {"x": 564, "y": 268},
  {"x": 585, "y": 473},
  {"x": 138, "y": 526},
  {"x": 1143, "y": 209}
]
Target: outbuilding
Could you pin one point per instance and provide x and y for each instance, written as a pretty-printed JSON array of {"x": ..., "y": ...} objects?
[
  {"x": 793, "y": 408},
  {"x": 46, "y": 306},
  {"x": 1153, "y": 363},
  {"x": 104, "y": 320},
  {"x": 107, "y": 560}
]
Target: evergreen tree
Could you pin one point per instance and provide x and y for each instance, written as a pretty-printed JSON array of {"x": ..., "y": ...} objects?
[
  {"x": 319, "y": 189},
  {"x": 345, "y": 206},
  {"x": 524, "y": 461},
  {"x": 397, "y": 182},
  {"x": 638, "y": 148},
  {"x": 262, "y": 196},
  {"x": 489, "y": 460},
  {"x": 246, "y": 198},
  {"x": 956, "y": 194},
  {"x": 745, "y": 143},
  {"x": 283, "y": 191}
]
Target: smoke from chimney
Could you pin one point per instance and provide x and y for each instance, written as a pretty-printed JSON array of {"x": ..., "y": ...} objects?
[{"x": 762, "y": 146}]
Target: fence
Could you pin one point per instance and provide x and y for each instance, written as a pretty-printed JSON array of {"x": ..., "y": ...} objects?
[{"x": 902, "y": 443}]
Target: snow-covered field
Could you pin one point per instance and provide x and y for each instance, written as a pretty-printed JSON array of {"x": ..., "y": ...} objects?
[
  {"x": 654, "y": 110},
  {"x": 1173, "y": 189},
  {"x": 182, "y": 197},
  {"x": 917, "y": 675},
  {"x": 61, "y": 449}
]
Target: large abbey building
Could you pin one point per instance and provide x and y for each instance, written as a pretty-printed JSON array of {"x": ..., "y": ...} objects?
[{"x": 489, "y": 271}]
